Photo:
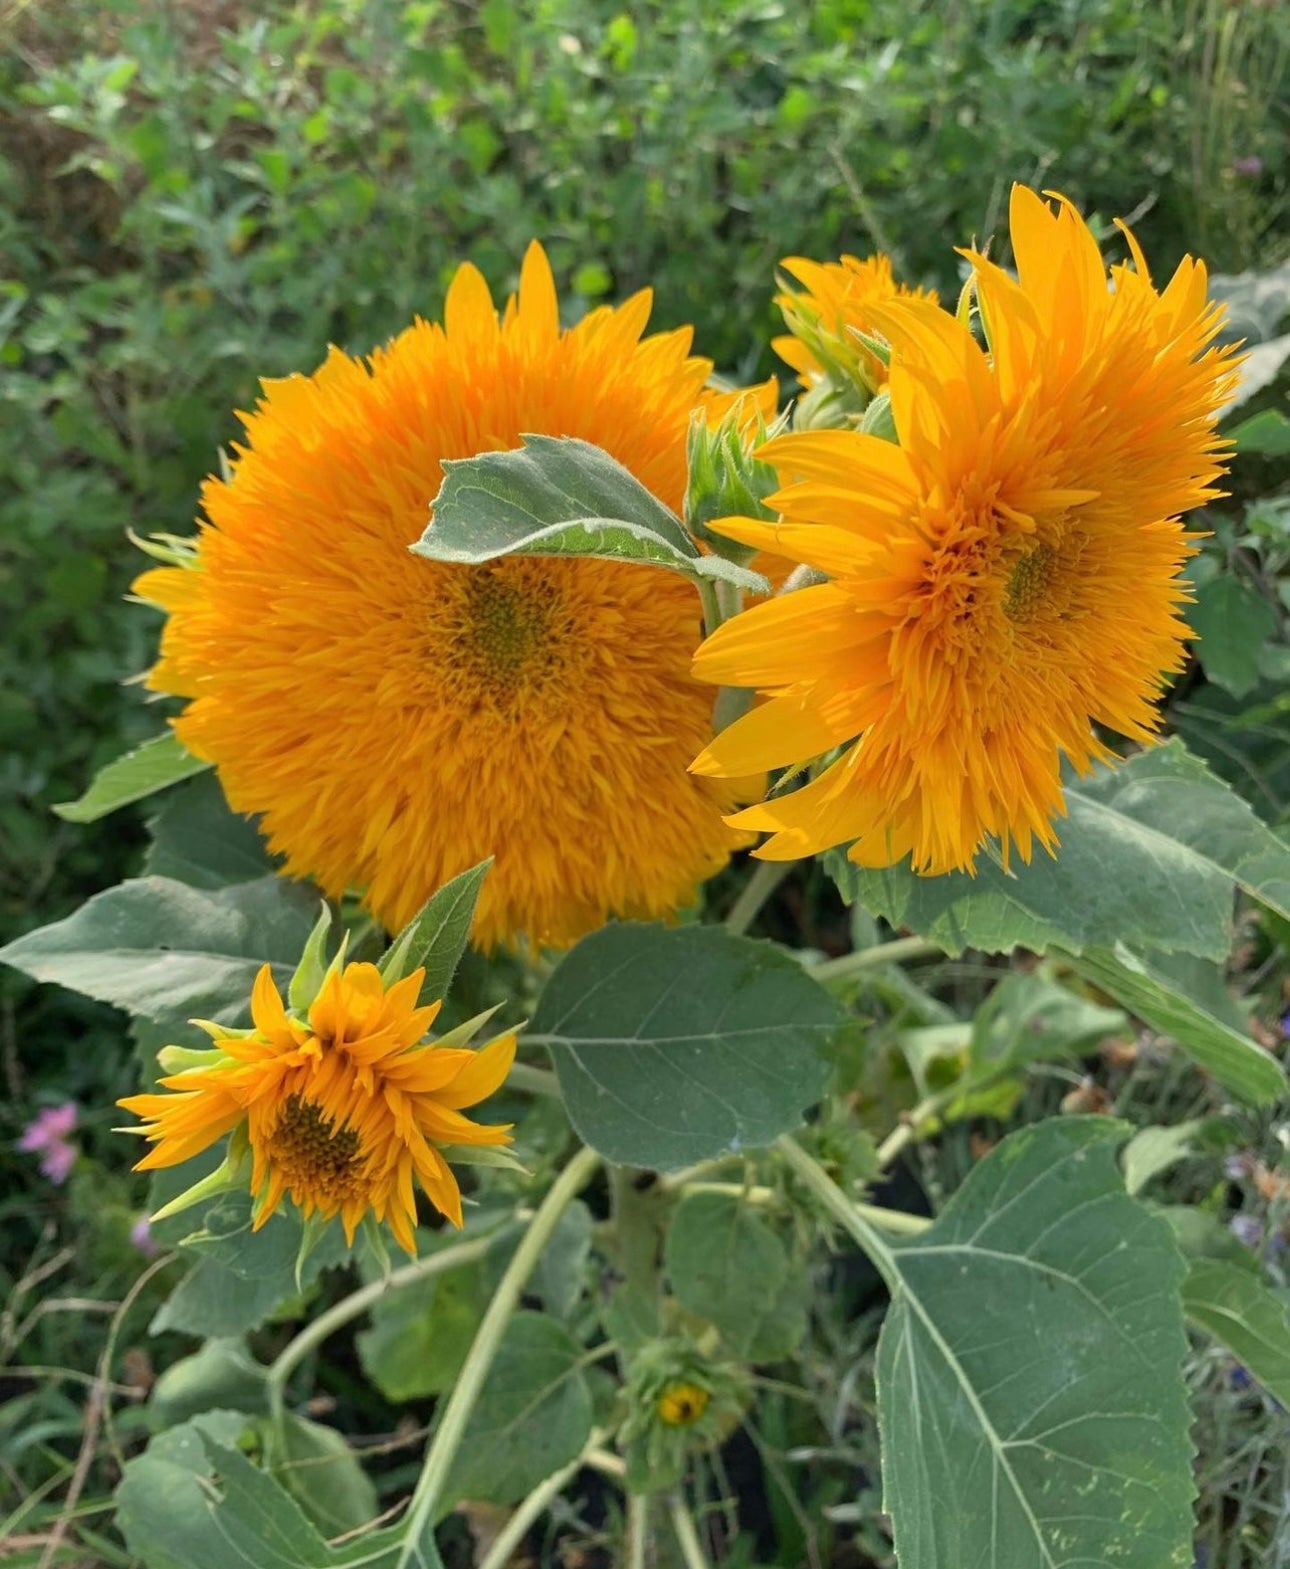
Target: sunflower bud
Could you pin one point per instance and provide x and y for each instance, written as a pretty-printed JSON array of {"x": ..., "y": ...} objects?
[
  {"x": 680, "y": 1402},
  {"x": 726, "y": 478}
]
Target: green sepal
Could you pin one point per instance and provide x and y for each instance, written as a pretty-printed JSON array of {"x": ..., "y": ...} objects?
[
  {"x": 310, "y": 973},
  {"x": 176, "y": 550},
  {"x": 221, "y": 1180},
  {"x": 436, "y": 936},
  {"x": 879, "y": 421},
  {"x": 313, "y": 1229},
  {"x": 371, "y": 1235},
  {"x": 483, "y": 1155},
  {"x": 188, "y": 1059},
  {"x": 463, "y": 1033}
]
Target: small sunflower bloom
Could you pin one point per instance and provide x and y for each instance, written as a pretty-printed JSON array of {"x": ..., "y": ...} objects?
[
  {"x": 346, "y": 1109},
  {"x": 393, "y": 720},
  {"x": 1000, "y": 583},
  {"x": 682, "y": 1405},
  {"x": 831, "y": 313}
]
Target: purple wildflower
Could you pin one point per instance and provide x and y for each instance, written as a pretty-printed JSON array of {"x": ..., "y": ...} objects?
[{"x": 48, "y": 1134}]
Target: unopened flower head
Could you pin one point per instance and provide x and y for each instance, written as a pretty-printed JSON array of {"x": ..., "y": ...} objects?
[
  {"x": 830, "y": 316},
  {"x": 346, "y": 1109},
  {"x": 394, "y": 720},
  {"x": 1000, "y": 583}
]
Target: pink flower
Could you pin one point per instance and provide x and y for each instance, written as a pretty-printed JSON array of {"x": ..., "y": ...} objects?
[
  {"x": 47, "y": 1133},
  {"x": 141, "y": 1236}
]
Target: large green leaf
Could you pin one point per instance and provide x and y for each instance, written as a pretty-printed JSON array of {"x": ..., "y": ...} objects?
[
  {"x": 1249, "y": 1318},
  {"x": 533, "y": 1417},
  {"x": 241, "y": 1276},
  {"x": 191, "y": 1501},
  {"x": 1150, "y": 989},
  {"x": 160, "y": 948},
  {"x": 1030, "y": 1396},
  {"x": 1149, "y": 853},
  {"x": 674, "y": 1045},
  {"x": 151, "y": 767},
  {"x": 197, "y": 840},
  {"x": 728, "y": 1266},
  {"x": 557, "y": 496}
]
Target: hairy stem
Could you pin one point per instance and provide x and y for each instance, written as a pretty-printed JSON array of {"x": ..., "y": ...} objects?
[
  {"x": 894, "y": 952},
  {"x": 357, "y": 1303},
  {"x": 470, "y": 1381},
  {"x": 687, "y": 1536},
  {"x": 755, "y": 893}
]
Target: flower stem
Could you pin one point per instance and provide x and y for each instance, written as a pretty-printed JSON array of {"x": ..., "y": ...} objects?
[
  {"x": 841, "y": 1208},
  {"x": 686, "y": 1536},
  {"x": 534, "y": 1506},
  {"x": 754, "y": 894},
  {"x": 893, "y": 1220},
  {"x": 894, "y": 952},
  {"x": 470, "y": 1381},
  {"x": 358, "y": 1302},
  {"x": 535, "y": 1081}
]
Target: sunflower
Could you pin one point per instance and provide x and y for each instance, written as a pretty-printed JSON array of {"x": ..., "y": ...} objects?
[
  {"x": 394, "y": 720},
  {"x": 834, "y": 305},
  {"x": 999, "y": 583},
  {"x": 342, "y": 1109}
]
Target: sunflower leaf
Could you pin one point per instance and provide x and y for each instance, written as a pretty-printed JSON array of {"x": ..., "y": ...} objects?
[
  {"x": 1149, "y": 855},
  {"x": 148, "y": 768},
  {"x": 675, "y": 1045},
  {"x": 159, "y": 948},
  {"x": 557, "y": 496},
  {"x": 1152, "y": 989},
  {"x": 436, "y": 937},
  {"x": 1249, "y": 1318},
  {"x": 1061, "y": 1436},
  {"x": 533, "y": 1417}
]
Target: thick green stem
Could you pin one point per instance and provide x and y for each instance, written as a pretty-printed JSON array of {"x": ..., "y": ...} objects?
[
  {"x": 639, "y": 1217},
  {"x": 895, "y": 952},
  {"x": 687, "y": 1537},
  {"x": 470, "y": 1382},
  {"x": 846, "y": 1213},
  {"x": 754, "y": 894}
]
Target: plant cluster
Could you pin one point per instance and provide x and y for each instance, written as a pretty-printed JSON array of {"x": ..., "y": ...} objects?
[{"x": 468, "y": 645}]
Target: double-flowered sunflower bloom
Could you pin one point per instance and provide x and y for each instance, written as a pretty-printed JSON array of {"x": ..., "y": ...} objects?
[
  {"x": 1002, "y": 581},
  {"x": 394, "y": 720},
  {"x": 346, "y": 1109},
  {"x": 830, "y": 316}
]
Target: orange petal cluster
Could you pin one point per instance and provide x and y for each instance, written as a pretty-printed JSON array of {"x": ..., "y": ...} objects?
[
  {"x": 345, "y": 1110},
  {"x": 1000, "y": 583}
]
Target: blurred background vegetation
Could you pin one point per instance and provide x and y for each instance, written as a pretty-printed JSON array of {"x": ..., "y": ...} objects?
[{"x": 198, "y": 193}]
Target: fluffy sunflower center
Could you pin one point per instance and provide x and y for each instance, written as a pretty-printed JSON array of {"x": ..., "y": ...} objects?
[
  {"x": 312, "y": 1156},
  {"x": 1029, "y": 583},
  {"x": 508, "y": 632}
]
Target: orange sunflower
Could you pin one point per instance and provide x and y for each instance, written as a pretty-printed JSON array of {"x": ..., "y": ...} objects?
[
  {"x": 836, "y": 303},
  {"x": 1006, "y": 578},
  {"x": 394, "y": 720},
  {"x": 342, "y": 1109}
]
